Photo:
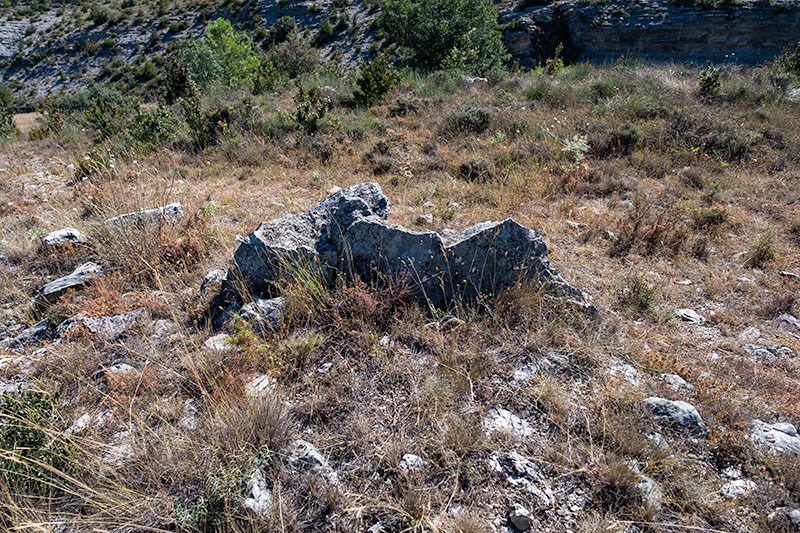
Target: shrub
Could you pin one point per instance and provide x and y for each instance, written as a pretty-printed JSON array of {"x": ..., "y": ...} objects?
[
  {"x": 311, "y": 109},
  {"x": 789, "y": 59},
  {"x": 295, "y": 56},
  {"x": 472, "y": 119},
  {"x": 205, "y": 125},
  {"x": 635, "y": 295},
  {"x": 452, "y": 34},
  {"x": 28, "y": 451},
  {"x": 762, "y": 252},
  {"x": 99, "y": 15},
  {"x": 153, "y": 128},
  {"x": 7, "y": 126},
  {"x": 324, "y": 34},
  {"x": 282, "y": 29},
  {"x": 374, "y": 81},
  {"x": 710, "y": 81},
  {"x": 709, "y": 218},
  {"x": 106, "y": 116}
]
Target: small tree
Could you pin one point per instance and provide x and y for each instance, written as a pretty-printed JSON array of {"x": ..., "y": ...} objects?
[
  {"x": 7, "y": 126},
  {"x": 375, "y": 79},
  {"x": 452, "y": 34},
  {"x": 710, "y": 82}
]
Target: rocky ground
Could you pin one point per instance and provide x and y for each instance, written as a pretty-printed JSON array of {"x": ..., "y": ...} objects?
[{"x": 158, "y": 386}]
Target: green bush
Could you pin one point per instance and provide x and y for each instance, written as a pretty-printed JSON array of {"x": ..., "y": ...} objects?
[
  {"x": 450, "y": 34},
  {"x": 205, "y": 125},
  {"x": 223, "y": 56},
  {"x": 311, "y": 109},
  {"x": 789, "y": 59},
  {"x": 29, "y": 451},
  {"x": 282, "y": 29},
  {"x": 295, "y": 56},
  {"x": 324, "y": 34},
  {"x": 7, "y": 127},
  {"x": 153, "y": 128},
  {"x": 710, "y": 81},
  {"x": 374, "y": 81},
  {"x": 105, "y": 116}
]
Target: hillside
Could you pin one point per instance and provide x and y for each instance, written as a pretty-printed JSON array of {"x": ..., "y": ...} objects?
[{"x": 46, "y": 47}]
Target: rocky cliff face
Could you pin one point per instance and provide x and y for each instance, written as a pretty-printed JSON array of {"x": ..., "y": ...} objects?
[{"x": 660, "y": 30}]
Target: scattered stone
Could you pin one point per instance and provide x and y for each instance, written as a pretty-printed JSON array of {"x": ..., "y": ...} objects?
[
  {"x": 425, "y": 220},
  {"x": 689, "y": 315},
  {"x": 677, "y": 415},
  {"x": 260, "y": 385},
  {"x": 119, "y": 369},
  {"x": 81, "y": 276},
  {"x": 683, "y": 282},
  {"x": 168, "y": 213},
  {"x": 429, "y": 205},
  {"x": 220, "y": 342},
  {"x": 522, "y": 473},
  {"x": 411, "y": 462},
  {"x": 304, "y": 456},
  {"x": 41, "y": 331},
  {"x": 213, "y": 280},
  {"x": 749, "y": 334},
  {"x": 732, "y": 472},
  {"x": 627, "y": 372},
  {"x": 63, "y": 237},
  {"x": 677, "y": 383},
  {"x": 105, "y": 328},
  {"x": 531, "y": 370},
  {"x": 574, "y": 225},
  {"x": 651, "y": 492},
  {"x": 768, "y": 352},
  {"x": 778, "y": 438},
  {"x": 787, "y": 274},
  {"x": 259, "y": 499},
  {"x": 191, "y": 414},
  {"x": 520, "y": 517},
  {"x": 502, "y": 421},
  {"x": 121, "y": 452},
  {"x": 324, "y": 368},
  {"x": 738, "y": 488},
  {"x": 265, "y": 315},
  {"x": 789, "y": 324},
  {"x": 794, "y": 516},
  {"x": 377, "y": 527},
  {"x": 348, "y": 233}
]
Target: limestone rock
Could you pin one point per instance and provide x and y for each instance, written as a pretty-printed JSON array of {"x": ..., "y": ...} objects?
[
  {"x": 411, "y": 462},
  {"x": 522, "y": 473},
  {"x": 304, "y": 456},
  {"x": 778, "y": 438},
  {"x": 81, "y": 276},
  {"x": 63, "y": 237},
  {"x": 677, "y": 415},
  {"x": 769, "y": 353},
  {"x": 738, "y": 488},
  {"x": 520, "y": 517},
  {"x": 167, "y": 213},
  {"x": 689, "y": 315},
  {"x": 677, "y": 383},
  {"x": 266, "y": 315},
  {"x": 259, "y": 496},
  {"x": 213, "y": 280},
  {"x": 503, "y": 421},
  {"x": 41, "y": 331},
  {"x": 220, "y": 342},
  {"x": 347, "y": 234},
  {"x": 105, "y": 328}
]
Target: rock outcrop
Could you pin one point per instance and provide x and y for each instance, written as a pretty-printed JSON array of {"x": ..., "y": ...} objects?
[
  {"x": 81, "y": 276},
  {"x": 677, "y": 415},
  {"x": 167, "y": 213},
  {"x": 347, "y": 235},
  {"x": 661, "y": 30}
]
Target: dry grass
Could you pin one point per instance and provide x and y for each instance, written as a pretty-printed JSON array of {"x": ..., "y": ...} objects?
[{"x": 685, "y": 196}]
